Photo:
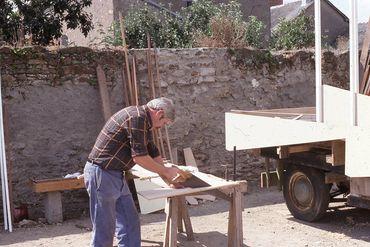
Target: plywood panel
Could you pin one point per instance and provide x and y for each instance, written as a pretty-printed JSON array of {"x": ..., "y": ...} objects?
[
  {"x": 336, "y": 104},
  {"x": 357, "y": 149},
  {"x": 147, "y": 206},
  {"x": 249, "y": 132}
]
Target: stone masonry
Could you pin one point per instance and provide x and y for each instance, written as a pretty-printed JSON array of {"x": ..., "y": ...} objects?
[{"x": 55, "y": 110}]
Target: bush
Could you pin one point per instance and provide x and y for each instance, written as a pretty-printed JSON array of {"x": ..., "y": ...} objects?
[
  {"x": 201, "y": 24},
  {"x": 294, "y": 34}
]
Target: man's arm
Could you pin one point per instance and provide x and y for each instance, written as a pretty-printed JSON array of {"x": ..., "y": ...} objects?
[{"x": 154, "y": 165}]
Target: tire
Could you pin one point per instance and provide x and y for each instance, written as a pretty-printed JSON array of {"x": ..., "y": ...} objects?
[{"x": 306, "y": 194}]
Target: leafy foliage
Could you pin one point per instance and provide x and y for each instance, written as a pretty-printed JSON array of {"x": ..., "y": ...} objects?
[
  {"x": 42, "y": 19},
  {"x": 294, "y": 34},
  {"x": 201, "y": 24}
]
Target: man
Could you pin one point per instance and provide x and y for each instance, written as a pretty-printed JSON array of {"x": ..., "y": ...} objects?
[{"x": 124, "y": 141}]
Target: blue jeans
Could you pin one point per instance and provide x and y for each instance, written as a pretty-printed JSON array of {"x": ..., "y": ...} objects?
[{"x": 112, "y": 209}]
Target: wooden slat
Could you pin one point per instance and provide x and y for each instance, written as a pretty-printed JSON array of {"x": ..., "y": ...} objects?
[
  {"x": 169, "y": 192},
  {"x": 333, "y": 177},
  {"x": 187, "y": 222},
  {"x": 104, "y": 95},
  {"x": 134, "y": 81},
  {"x": 189, "y": 157},
  {"x": 231, "y": 225},
  {"x": 238, "y": 217},
  {"x": 168, "y": 222},
  {"x": 337, "y": 156},
  {"x": 49, "y": 185},
  {"x": 364, "y": 56},
  {"x": 127, "y": 64},
  {"x": 173, "y": 226}
]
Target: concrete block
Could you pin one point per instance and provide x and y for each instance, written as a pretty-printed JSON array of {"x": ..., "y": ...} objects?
[{"x": 53, "y": 207}]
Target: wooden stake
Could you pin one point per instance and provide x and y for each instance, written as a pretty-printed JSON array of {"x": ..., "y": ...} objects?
[
  {"x": 125, "y": 88},
  {"x": 125, "y": 51},
  {"x": 104, "y": 95},
  {"x": 157, "y": 70},
  {"x": 135, "y": 93}
]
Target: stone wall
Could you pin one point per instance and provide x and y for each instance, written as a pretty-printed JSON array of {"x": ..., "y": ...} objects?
[{"x": 55, "y": 111}]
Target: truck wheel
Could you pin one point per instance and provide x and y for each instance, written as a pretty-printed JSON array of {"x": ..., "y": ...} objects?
[{"x": 306, "y": 194}]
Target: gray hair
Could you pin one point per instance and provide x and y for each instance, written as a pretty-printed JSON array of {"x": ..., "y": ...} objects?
[{"x": 164, "y": 104}]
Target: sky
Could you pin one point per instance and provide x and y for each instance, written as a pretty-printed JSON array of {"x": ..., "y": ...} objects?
[{"x": 343, "y": 5}]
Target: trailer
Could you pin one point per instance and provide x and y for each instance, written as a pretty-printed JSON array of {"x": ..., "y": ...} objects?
[
  {"x": 321, "y": 152},
  {"x": 310, "y": 158}
]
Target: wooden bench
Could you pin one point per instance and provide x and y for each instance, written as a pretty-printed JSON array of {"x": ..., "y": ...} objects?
[{"x": 53, "y": 199}]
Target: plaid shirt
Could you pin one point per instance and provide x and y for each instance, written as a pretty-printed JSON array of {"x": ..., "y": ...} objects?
[{"x": 125, "y": 135}]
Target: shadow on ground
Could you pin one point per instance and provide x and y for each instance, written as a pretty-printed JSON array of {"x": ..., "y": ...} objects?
[
  {"x": 201, "y": 240},
  {"x": 352, "y": 222}
]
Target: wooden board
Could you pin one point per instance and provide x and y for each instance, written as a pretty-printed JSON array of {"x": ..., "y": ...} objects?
[
  {"x": 169, "y": 192},
  {"x": 147, "y": 206},
  {"x": 48, "y": 185},
  {"x": 364, "y": 56},
  {"x": 189, "y": 157},
  {"x": 104, "y": 95},
  {"x": 357, "y": 147},
  {"x": 360, "y": 186},
  {"x": 333, "y": 99},
  {"x": 251, "y": 132}
]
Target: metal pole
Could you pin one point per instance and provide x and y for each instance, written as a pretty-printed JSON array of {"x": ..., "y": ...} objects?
[
  {"x": 3, "y": 161},
  {"x": 319, "y": 96},
  {"x": 234, "y": 175},
  {"x": 354, "y": 60}
]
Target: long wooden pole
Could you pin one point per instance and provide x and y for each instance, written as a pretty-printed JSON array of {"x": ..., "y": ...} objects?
[
  {"x": 128, "y": 74},
  {"x": 134, "y": 81},
  {"x": 160, "y": 95}
]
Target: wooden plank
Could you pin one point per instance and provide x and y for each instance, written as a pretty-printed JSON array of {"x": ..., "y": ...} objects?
[
  {"x": 250, "y": 132},
  {"x": 360, "y": 186},
  {"x": 169, "y": 192},
  {"x": 134, "y": 81},
  {"x": 147, "y": 206},
  {"x": 48, "y": 185},
  {"x": 191, "y": 200},
  {"x": 284, "y": 151},
  {"x": 189, "y": 157},
  {"x": 338, "y": 153},
  {"x": 333, "y": 177},
  {"x": 187, "y": 222},
  {"x": 231, "y": 225},
  {"x": 104, "y": 95},
  {"x": 357, "y": 162},
  {"x": 283, "y": 111},
  {"x": 173, "y": 226},
  {"x": 125, "y": 89},
  {"x": 238, "y": 217},
  {"x": 175, "y": 156},
  {"x": 127, "y": 64},
  {"x": 364, "y": 54},
  {"x": 168, "y": 222},
  {"x": 182, "y": 206}
]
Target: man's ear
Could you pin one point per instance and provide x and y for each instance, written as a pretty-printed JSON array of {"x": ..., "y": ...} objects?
[{"x": 160, "y": 114}]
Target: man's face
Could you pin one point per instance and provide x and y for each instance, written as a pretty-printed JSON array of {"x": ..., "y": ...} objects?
[{"x": 159, "y": 119}]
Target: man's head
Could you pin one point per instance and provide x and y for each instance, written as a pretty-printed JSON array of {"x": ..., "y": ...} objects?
[{"x": 162, "y": 111}]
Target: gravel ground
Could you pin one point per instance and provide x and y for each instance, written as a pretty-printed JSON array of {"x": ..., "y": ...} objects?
[{"x": 266, "y": 222}]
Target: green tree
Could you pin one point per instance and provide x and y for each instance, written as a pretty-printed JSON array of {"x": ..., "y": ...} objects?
[
  {"x": 43, "y": 19},
  {"x": 294, "y": 34}
]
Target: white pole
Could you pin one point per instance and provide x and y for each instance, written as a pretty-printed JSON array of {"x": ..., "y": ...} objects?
[
  {"x": 5, "y": 210},
  {"x": 319, "y": 97},
  {"x": 3, "y": 161},
  {"x": 354, "y": 61}
]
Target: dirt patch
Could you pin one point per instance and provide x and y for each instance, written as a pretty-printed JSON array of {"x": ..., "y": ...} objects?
[{"x": 266, "y": 220}]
